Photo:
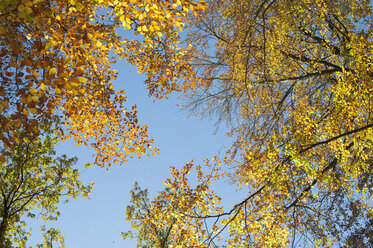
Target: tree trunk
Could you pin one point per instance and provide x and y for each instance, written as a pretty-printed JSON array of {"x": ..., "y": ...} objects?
[{"x": 3, "y": 228}]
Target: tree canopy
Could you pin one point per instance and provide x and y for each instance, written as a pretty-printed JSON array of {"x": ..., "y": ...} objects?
[
  {"x": 56, "y": 58},
  {"x": 166, "y": 221},
  {"x": 33, "y": 181},
  {"x": 56, "y": 61},
  {"x": 294, "y": 81},
  {"x": 292, "y": 78}
]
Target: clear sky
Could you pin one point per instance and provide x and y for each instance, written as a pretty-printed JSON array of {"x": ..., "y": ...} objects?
[{"x": 97, "y": 223}]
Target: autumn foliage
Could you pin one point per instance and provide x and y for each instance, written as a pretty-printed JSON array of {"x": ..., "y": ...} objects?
[
  {"x": 56, "y": 58},
  {"x": 294, "y": 80},
  {"x": 33, "y": 181}
]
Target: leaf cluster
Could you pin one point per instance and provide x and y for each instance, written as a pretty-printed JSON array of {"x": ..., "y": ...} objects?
[
  {"x": 294, "y": 80},
  {"x": 33, "y": 181},
  {"x": 56, "y": 59}
]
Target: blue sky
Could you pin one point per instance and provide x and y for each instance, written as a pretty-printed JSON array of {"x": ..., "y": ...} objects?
[{"x": 98, "y": 222}]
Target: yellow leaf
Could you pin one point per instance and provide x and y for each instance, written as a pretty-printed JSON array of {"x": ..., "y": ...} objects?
[
  {"x": 122, "y": 18},
  {"x": 82, "y": 79},
  {"x": 4, "y": 104},
  {"x": 26, "y": 140},
  {"x": 33, "y": 91},
  {"x": 21, "y": 8},
  {"x": 43, "y": 87},
  {"x": 33, "y": 110},
  {"x": 52, "y": 71},
  {"x": 28, "y": 10},
  {"x": 75, "y": 85},
  {"x": 2, "y": 29},
  {"x": 28, "y": 3},
  {"x": 58, "y": 91}
]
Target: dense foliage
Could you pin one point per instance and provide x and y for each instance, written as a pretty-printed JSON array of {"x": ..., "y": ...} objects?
[
  {"x": 294, "y": 80},
  {"x": 33, "y": 181},
  {"x": 56, "y": 58}
]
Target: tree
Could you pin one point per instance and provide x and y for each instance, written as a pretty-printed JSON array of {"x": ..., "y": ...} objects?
[
  {"x": 294, "y": 80},
  {"x": 165, "y": 221},
  {"x": 149, "y": 234},
  {"x": 33, "y": 180},
  {"x": 51, "y": 237},
  {"x": 56, "y": 58}
]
